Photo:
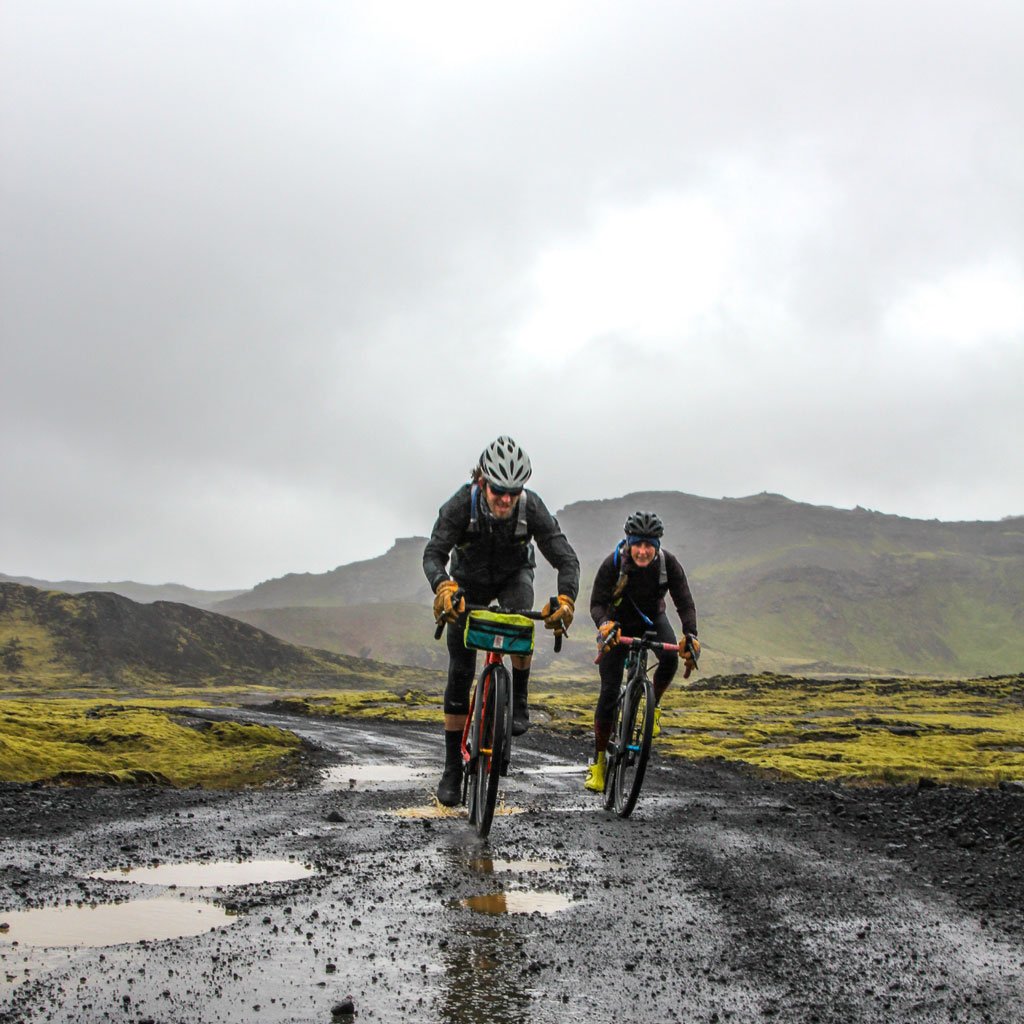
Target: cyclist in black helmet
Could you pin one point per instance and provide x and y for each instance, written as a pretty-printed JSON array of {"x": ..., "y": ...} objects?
[
  {"x": 487, "y": 527},
  {"x": 629, "y": 597}
]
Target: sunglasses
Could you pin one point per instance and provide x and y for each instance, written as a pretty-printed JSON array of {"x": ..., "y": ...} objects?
[{"x": 501, "y": 492}]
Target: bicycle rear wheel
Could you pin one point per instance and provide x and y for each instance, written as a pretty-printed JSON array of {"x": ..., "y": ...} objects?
[
  {"x": 633, "y": 743},
  {"x": 494, "y": 696}
]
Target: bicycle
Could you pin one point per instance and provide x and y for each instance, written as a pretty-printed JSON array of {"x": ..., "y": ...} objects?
[
  {"x": 629, "y": 745},
  {"x": 487, "y": 735}
]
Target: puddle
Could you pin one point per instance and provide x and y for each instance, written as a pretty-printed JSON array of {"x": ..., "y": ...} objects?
[
  {"x": 519, "y": 902},
  {"x": 439, "y": 811},
  {"x": 555, "y": 769},
  {"x": 112, "y": 924},
  {"x": 488, "y": 865},
  {"x": 198, "y": 875},
  {"x": 357, "y": 776}
]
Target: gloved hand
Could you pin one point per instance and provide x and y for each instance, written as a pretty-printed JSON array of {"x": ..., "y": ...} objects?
[
  {"x": 444, "y": 610},
  {"x": 559, "y": 618},
  {"x": 688, "y": 657},
  {"x": 608, "y": 634}
]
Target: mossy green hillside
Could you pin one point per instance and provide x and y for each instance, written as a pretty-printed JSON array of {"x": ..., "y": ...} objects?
[
  {"x": 78, "y": 740},
  {"x": 883, "y": 730},
  {"x": 103, "y": 644},
  {"x": 869, "y": 731}
]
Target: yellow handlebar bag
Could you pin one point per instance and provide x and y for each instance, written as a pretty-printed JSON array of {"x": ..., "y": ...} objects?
[{"x": 499, "y": 632}]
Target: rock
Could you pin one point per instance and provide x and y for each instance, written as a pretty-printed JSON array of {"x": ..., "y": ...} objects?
[{"x": 344, "y": 1010}]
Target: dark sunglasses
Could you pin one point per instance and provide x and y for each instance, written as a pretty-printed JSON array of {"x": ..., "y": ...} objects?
[{"x": 512, "y": 492}]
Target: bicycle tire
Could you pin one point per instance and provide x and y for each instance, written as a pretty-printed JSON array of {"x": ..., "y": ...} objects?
[
  {"x": 494, "y": 725},
  {"x": 472, "y": 745},
  {"x": 634, "y": 742},
  {"x": 611, "y": 755}
]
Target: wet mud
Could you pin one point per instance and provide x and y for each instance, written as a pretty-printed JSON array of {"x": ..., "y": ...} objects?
[{"x": 724, "y": 898}]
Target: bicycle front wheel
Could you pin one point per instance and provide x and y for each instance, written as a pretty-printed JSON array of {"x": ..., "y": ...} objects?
[
  {"x": 633, "y": 743},
  {"x": 495, "y": 696}
]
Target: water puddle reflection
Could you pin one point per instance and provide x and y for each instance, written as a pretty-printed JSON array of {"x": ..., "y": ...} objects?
[
  {"x": 440, "y": 811},
  {"x": 488, "y": 865},
  {"x": 519, "y": 902},
  {"x": 362, "y": 776},
  {"x": 112, "y": 924},
  {"x": 197, "y": 875},
  {"x": 556, "y": 769}
]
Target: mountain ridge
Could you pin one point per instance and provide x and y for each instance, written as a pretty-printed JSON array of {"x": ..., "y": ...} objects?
[
  {"x": 54, "y": 641},
  {"x": 780, "y": 585}
]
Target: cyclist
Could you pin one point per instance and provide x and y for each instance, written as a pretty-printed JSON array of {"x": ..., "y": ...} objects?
[
  {"x": 487, "y": 528},
  {"x": 629, "y": 596}
]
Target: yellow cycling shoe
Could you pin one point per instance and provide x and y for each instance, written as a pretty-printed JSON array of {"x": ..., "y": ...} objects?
[
  {"x": 595, "y": 774},
  {"x": 656, "y": 731}
]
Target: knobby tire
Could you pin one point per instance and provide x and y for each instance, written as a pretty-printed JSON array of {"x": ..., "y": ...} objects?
[
  {"x": 473, "y": 744},
  {"x": 492, "y": 736},
  {"x": 633, "y": 743}
]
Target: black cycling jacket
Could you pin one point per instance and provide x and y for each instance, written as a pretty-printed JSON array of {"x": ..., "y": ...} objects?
[
  {"x": 644, "y": 591},
  {"x": 485, "y": 557}
]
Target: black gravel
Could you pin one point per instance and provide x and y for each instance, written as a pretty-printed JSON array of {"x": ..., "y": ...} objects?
[{"x": 727, "y": 897}]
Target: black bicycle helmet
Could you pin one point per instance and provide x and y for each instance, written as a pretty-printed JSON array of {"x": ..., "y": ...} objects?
[
  {"x": 644, "y": 524},
  {"x": 504, "y": 464}
]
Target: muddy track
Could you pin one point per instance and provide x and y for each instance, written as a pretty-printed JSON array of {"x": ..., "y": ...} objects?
[{"x": 724, "y": 898}]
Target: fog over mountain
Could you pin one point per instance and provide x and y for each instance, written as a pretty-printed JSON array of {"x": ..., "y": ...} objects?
[
  {"x": 778, "y": 585},
  {"x": 272, "y": 275}
]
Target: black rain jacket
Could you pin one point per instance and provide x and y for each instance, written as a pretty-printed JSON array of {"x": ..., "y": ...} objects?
[
  {"x": 644, "y": 591},
  {"x": 485, "y": 557}
]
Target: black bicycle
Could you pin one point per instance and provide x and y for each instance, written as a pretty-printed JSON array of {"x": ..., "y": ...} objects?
[
  {"x": 629, "y": 745},
  {"x": 487, "y": 736}
]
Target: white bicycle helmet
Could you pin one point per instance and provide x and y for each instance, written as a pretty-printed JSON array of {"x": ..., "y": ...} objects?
[{"x": 504, "y": 464}]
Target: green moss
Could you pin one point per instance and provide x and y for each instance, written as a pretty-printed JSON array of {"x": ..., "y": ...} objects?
[{"x": 76, "y": 739}]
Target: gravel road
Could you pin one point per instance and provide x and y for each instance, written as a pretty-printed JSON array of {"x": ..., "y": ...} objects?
[{"x": 725, "y": 897}]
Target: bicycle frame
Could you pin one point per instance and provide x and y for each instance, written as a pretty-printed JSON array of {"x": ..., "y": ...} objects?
[
  {"x": 486, "y": 744},
  {"x": 629, "y": 746},
  {"x": 491, "y": 659}
]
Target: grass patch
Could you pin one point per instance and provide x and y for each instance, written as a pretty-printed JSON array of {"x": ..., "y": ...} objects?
[
  {"x": 884, "y": 731},
  {"x": 92, "y": 741},
  {"x": 404, "y": 706}
]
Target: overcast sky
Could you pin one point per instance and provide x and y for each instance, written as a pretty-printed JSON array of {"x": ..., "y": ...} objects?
[{"x": 273, "y": 273}]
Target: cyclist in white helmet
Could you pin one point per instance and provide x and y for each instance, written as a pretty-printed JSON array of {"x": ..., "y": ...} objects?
[
  {"x": 628, "y": 598},
  {"x": 487, "y": 528}
]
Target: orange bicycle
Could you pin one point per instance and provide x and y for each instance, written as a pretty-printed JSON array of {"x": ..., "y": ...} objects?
[{"x": 487, "y": 736}]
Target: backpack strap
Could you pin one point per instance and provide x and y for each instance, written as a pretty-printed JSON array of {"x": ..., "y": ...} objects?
[
  {"x": 620, "y": 584},
  {"x": 522, "y": 530}
]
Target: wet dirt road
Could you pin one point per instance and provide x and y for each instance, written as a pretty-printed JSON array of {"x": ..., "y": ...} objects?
[{"x": 724, "y": 898}]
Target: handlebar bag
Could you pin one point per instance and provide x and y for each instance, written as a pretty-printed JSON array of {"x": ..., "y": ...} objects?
[{"x": 499, "y": 632}]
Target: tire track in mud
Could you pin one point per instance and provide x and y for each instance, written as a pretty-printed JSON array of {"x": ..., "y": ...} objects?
[{"x": 723, "y": 899}]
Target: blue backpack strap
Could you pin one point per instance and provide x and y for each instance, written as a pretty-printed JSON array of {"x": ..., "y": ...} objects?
[
  {"x": 620, "y": 583},
  {"x": 474, "y": 510}
]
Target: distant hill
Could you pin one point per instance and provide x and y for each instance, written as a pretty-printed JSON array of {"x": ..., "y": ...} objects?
[
  {"x": 394, "y": 577},
  {"x": 779, "y": 585},
  {"x": 56, "y": 642},
  {"x": 144, "y": 593}
]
